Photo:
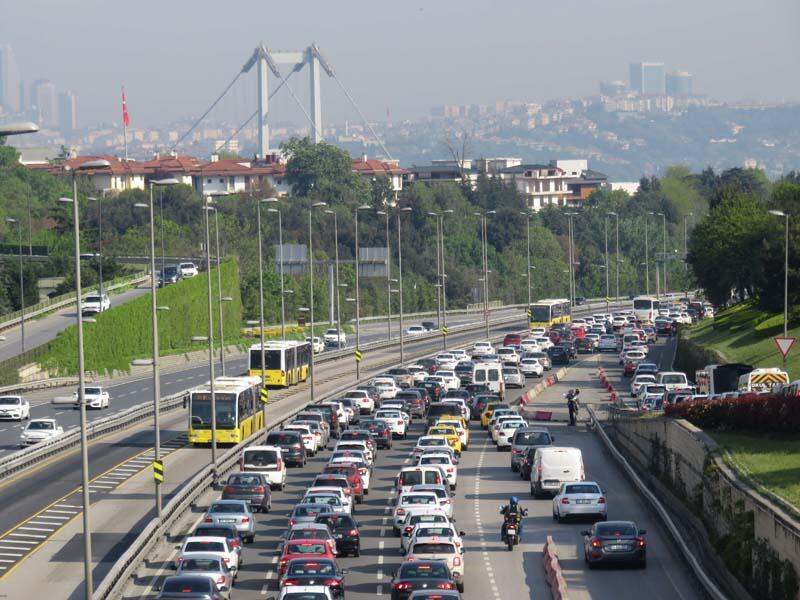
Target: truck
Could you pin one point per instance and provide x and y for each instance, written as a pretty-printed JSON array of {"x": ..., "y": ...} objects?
[
  {"x": 335, "y": 338},
  {"x": 718, "y": 379},
  {"x": 762, "y": 380}
]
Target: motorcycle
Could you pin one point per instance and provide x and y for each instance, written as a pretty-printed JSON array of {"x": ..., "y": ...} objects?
[{"x": 512, "y": 530}]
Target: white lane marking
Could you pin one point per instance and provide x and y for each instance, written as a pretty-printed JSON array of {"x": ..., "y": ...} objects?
[
  {"x": 6, "y": 429},
  {"x": 48, "y": 523},
  {"x": 274, "y": 559},
  {"x": 63, "y": 512},
  {"x": 13, "y": 548},
  {"x": 380, "y": 590},
  {"x": 5, "y": 560},
  {"x": 23, "y": 541},
  {"x": 10, "y": 554},
  {"x": 67, "y": 506},
  {"x": 28, "y": 528}
]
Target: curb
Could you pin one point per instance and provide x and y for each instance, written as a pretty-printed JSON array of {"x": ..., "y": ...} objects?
[
  {"x": 552, "y": 570},
  {"x": 529, "y": 396}
]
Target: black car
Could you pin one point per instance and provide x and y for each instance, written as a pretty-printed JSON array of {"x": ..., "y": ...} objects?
[
  {"x": 291, "y": 444},
  {"x": 315, "y": 571},
  {"x": 419, "y": 575},
  {"x": 426, "y": 397},
  {"x": 458, "y": 394},
  {"x": 615, "y": 542},
  {"x": 429, "y": 364},
  {"x": 464, "y": 370},
  {"x": 479, "y": 404},
  {"x": 580, "y": 300},
  {"x": 169, "y": 275},
  {"x": 380, "y": 432},
  {"x": 414, "y": 402},
  {"x": 559, "y": 355},
  {"x": 434, "y": 389},
  {"x": 584, "y": 345},
  {"x": 476, "y": 388},
  {"x": 345, "y": 531},
  {"x": 331, "y": 416},
  {"x": 429, "y": 325},
  {"x": 190, "y": 586},
  {"x": 251, "y": 487}
]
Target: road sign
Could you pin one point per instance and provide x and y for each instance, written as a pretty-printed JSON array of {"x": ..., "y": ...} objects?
[
  {"x": 264, "y": 395},
  {"x": 608, "y": 299},
  {"x": 158, "y": 470},
  {"x": 358, "y": 355},
  {"x": 444, "y": 331},
  {"x": 784, "y": 344},
  {"x": 529, "y": 314}
]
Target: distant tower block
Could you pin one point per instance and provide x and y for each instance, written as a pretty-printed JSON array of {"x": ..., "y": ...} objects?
[{"x": 263, "y": 58}]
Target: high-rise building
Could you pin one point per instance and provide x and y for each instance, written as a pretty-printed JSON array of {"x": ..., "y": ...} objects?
[
  {"x": 67, "y": 111},
  {"x": 44, "y": 102},
  {"x": 679, "y": 84},
  {"x": 9, "y": 80},
  {"x": 648, "y": 78},
  {"x": 612, "y": 88}
]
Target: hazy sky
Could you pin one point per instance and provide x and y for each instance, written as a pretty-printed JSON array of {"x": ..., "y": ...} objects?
[{"x": 175, "y": 56}]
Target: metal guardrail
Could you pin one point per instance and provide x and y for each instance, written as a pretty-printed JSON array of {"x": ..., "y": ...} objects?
[
  {"x": 708, "y": 584},
  {"x": 39, "y": 384},
  {"x": 36, "y": 310}
]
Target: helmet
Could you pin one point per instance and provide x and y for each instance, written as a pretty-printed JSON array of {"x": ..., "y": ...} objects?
[
  {"x": 513, "y": 501},
  {"x": 577, "y": 391}
]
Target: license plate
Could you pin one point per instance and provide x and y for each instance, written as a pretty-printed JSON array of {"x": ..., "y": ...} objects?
[
  {"x": 583, "y": 502},
  {"x": 512, "y": 530},
  {"x": 338, "y": 536},
  {"x": 227, "y": 520},
  {"x": 617, "y": 547}
]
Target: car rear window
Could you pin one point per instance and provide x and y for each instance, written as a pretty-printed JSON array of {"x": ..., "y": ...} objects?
[
  {"x": 433, "y": 548},
  {"x": 432, "y": 531},
  {"x": 532, "y": 438},
  {"x": 204, "y": 547},
  {"x": 312, "y": 568},
  {"x": 615, "y": 529},
  {"x": 215, "y": 531},
  {"x": 427, "y": 519},
  {"x": 420, "y": 571},
  {"x": 260, "y": 458},
  {"x": 582, "y": 488},
  {"x": 434, "y": 460},
  {"x": 245, "y": 480},
  {"x": 307, "y": 511},
  {"x": 411, "y": 478},
  {"x": 226, "y": 508},
  {"x": 305, "y": 548},
  {"x": 336, "y": 521},
  {"x": 282, "y": 438},
  {"x": 200, "y": 564}
]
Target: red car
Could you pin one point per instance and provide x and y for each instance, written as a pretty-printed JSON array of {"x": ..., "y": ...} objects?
[
  {"x": 629, "y": 368},
  {"x": 316, "y": 549},
  {"x": 512, "y": 339},
  {"x": 353, "y": 477}
]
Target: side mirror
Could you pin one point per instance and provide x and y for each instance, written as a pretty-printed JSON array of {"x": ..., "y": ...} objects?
[
  {"x": 552, "y": 438},
  {"x": 461, "y": 533},
  {"x": 394, "y": 574},
  {"x": 642, "y": 531},
  {"x": 344, "y": 571},
  {"x": 587, "y": 532}
]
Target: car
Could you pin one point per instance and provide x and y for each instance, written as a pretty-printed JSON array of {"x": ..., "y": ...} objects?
[
  {"x": 559, "y": 355},
  {"x": 429, "y": 326},
  {"x": 363, "y": 399},
  {"x": 615, "y": 542},
  {"x": 434, "y": 388},
  {"x": 449, "y": 433},
  {"x": 203, "y": 546},
  {"x": 356, "y": 459},
  {"x": 461, "y": 427},
  {"x": 380, "y": 432},
  {"x": 313, "y": 571},
  {"x": 423, "y": 529},
  {"x": 444, "y": 550},
  {"x": 408, "y": 500},
  {"x": 387, "y": 386},
  {"x": 525, "y": 440},
  {"x": 394, "y": 420},
  {"x": 338, "y": 486},
  {"x": 95, "y": 303},
  {"x": 418, "y": 373},
  {"x": 318, "y": 549},
  {"x": 334, "y": 338},
  {"x": 188, "y": 270},
  {"x": 266, "y": 460},
  {"x": 304, "y": 592},
  {"x": 488, "y": 412},
  {"x": 317, "y": 344},
  {"x": 94, "y": 397},
  {"x": 436, "y": 516},
  {"x": 421, "y": 574},
  {"x": 340, "y": 481},
  {"x": 291, "y": 445},
  {"x": 429, "y": 441},
  {"x": 310, "y": 440},
  {"x": 190, "y": 586},
  {"x": 211, "y": 566},
  {"x": 235, "y": 512},
  {"x": 308, "y": 512},
  {"x": 353, "y": 475},
  {"x": 333, "y": 500},
  {"x": 580, "y": 499},
  {"x": 529, "y": 367},
  {"x": 554, "y": 465},
  {"x": 310, "y": 531},
  {"x": 446, "y": 360},
  {"x": 224, "y": 530},
  {"x": 39, "y": 430},
  {"x": 345, "y": 532},
  {"x": 508, "y": 354},
  {"x": 448, "y": 378},
  {"x": 500, "y": 421},
  {"x": 362, "y": 435},
  {"x": 411, "y": 476},
  {"x": 14, "y": 407},
  {"x": 435, "y": 595},
  {"x": 402, "y": 376},
  {"x": 482, "y": 349},
  {"x": 447, "y": 464},
  {"x": 640, "y": 380},
  {"x": 443, "y": 494},
  {"x": 250, "y": 487},
  {"x": 416, "y": 330},
  {"x": 505, "y": 434},
  {"x": 513, "y": 377}
]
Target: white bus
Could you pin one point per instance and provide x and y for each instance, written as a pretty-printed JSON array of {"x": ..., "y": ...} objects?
[{"x": 645, "y": 308}]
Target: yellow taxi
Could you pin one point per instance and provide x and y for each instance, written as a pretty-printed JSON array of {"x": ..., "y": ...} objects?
[
  {"x": 489, "y": 410},
  {"x": 460, "y": 426},
  {"x": 449, "y": 433}
]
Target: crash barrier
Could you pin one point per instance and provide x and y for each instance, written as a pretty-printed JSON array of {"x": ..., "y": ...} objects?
[{"x": 552, "y": 570}]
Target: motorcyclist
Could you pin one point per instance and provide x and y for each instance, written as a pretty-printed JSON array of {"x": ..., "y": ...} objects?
[{"x": 512, "y": 508}]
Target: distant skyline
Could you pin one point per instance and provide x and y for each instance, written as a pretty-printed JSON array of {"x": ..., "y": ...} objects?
[{"x": 174, "y": 58}]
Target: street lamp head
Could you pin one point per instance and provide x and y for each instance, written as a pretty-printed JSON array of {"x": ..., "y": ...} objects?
[
  {"x": 252, "y": 322},
  {"x": 363, "y": 207},
  {"x": 138, "y": 205},
  {"x": 381, "y": 212},
  {"x": 270, "y": 200},
  {"x": 406, "y": 209},
  {"x": 142, "y": 362},
  {"x": 199, "y": 338},
  {"x": 288, "y": 291},
  {"x": 273, "y": 210},
  {"x": 226, "y": 299},
  {"x": 448, "y": 211},
  {"x": 612, "y": 214},
  {"x": 162, "y": 307},
  {"x": 10, "y": 220},
  {"x": 329, "y": 212},
  {"x": 433, "y": 214},
  {"x": 18, "y": 128},
  {"x": 65, "y": 200},
  {"x": 94, "y": 164},
  {"x": 349, "y": 299},
  {"x": 303, "y": 309},
  {"x": 319, "y": 204},
  {"x": 167, "y": 181},
  {"x": 777, "y": 213},
  {"x": 491, "y": 212}
]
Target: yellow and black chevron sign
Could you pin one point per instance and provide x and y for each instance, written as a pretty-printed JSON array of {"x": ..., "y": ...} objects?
[
  {"x": 264, "y": 395},
  {"x": 444, "y": 331},
  {"x": 529, "y": 314},
  {"x": 358, "y": 355},
  {"x": 158, "y": 470}
]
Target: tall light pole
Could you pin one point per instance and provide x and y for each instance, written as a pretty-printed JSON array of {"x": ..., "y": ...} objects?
[
  {"x": 280, "y": 259},
  {"x": 785, "y": 215},
  {"x": 571, "y": 258},
  {"x": 483, "y": 217},
  {"x": 210, "y": 339},
  {"x": 664, "y": 222},
  {"x": 616, "y": 257},
  {"x": 154, "y": 308},
  {"x": 647, "y": 253},
  {"x": 161, "y": 226},
  {"x": 99, "y": 201},
  {"x": 311, "y": 289},
  {"x": 438, "y": 272},
  {"x": 388, "y": 275},
  {"x": 442, "y": 271},
  {"x": 685, "y": 242},
  {"x": 605, "y": 236},
  {"x": 400, "y": 278},
  {"x": 261, "y": 300},
  {"x": 336, "y": 298},
  {"x": 527, "y": 216},
  {"x": 87, "y": 530},
  {"x": 22, "y": 283},
  {"x": 358, "y": 297}
]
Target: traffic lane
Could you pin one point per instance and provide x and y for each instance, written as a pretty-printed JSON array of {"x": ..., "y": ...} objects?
[{"x": 40, "y": 331}]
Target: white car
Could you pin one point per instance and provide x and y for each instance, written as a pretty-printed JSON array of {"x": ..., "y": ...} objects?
[
  {"x": 446, "y": 361},
  {"x": 310, "y": 442},
  {"x": 362, "y": 398},
  {"x": 449, "y": 379},
  {"x": 266, "y": 460},
  {"x": 359, "y": 445},
  {"x": 439, "y": 530},
  {"x": 387, "y": 387},
  {"x": 347, "y": 500},
  {"x": 531, "y": 367},
  {"x": 445, "y": 462},
  {"x": 94, "y": 396},
  {"x": 318, "y": 592},
  {"x": 317, "y": 345},
  {"x": 545, "y": 343},
  {"x": 435, "y": 548},
  {"x": 580, "y": 499},
  {"x": 411, "y": 499},
  {"x": 494, "y": 428},
  {"x": 394, "y": 420},
  {"x": 631, "y": 355},
  {"x": 508, "y": 354},
  {"x": 425, "y": 442},
  {"x": 335, "y": 337},
  {"x": 538, "y": 331},
  {"x": 416, "y": 330},
  {"x": 639, "y": 381},
  {"x": 466, "y": 412},
  {"x": 95, "y": 303},
  {"x": 39, "y": 430},
  {"x": 443, "y": 494},
  {"x": 506, "y": 431},
  {"x": 482, "y": 349},
  {"x": 422, "y": 516},
  {"x": 14, "y": 407},
  {"x": 188, "y": 269},
  {"x": 204, "y": 545},
  {"x": 607, "y": 343},
  {"x": 418, "y": 372},
  {"x": 460, "y": 354}
]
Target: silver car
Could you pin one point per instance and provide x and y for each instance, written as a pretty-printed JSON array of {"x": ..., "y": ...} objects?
[
  {"x": 209, "y": 565},
  {"x": 525, "y": 438},
  {"x": 235, "y": 512},
  {"x": 513, "y": 377}
]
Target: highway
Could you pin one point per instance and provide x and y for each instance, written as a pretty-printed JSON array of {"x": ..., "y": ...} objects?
[
  {"x": 128, "y": 392},
  {"x": 485, "y": 482}
]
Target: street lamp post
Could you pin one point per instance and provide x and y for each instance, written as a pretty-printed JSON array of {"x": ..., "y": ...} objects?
[
  {"x": 311, "y": 290},
  {"x": 571, "y": 259},
  {"x": 99, "y": 201},
  {"x": 685, "y": 243},
  {"x": 210, "y": 343},
  {"x": 438, "y": 273},
  {"x": 785, "y": 215},
  {"x": 664, "y": 223},
  {"x": 616, "y": 257},
  {"x": 388, "y": 275},
  {"x": 400, "y": 279},
  {"x": 442, "y": 271},
  {"x": 483, "y": 217},
  {"x": 528, "y": 269},
  {"x": 22, "y": 283},
  {"x": 336, "y": 298},
  {"x": 280, "y": 259},
  {"x": 87, "y": 532},
  {"x": 605, "y": 236},
  {"x": 261, "y": 301},
  {"x": 647, "y": 253},
  {"x": 358, "y": 297}
]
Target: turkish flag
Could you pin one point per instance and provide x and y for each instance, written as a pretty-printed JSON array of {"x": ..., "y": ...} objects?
[{"x": 126, "y": 120}]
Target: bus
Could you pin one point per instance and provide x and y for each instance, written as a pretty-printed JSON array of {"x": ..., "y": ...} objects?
[
  {"x": 546, "y": 313},
  {"x": 645, "y": 308},
  {"x": 238, "y": 404},
  {"x": 286, "y": 363}
]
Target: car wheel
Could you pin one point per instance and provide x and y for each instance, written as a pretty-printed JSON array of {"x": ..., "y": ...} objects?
[
  {"x": 357, "y": 552},
  {"x": 533, "y": 492},
  {"x": 251, "y": 538},
  {"x": 514, "y": 468},
  {"x": 460, "y": 586}
]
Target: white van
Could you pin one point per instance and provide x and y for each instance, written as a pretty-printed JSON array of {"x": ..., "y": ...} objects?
[
  {"x": 266, "y": 460},
  {"x": 411, "y": 476},
  {"x": 490, "y": 374},
  {"x": 554, "y": 465},
  {"x": 673, "y": 380}
]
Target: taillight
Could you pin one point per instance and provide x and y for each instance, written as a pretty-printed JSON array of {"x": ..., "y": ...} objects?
[
  {"x": 565, "y": 501},
  {"x": 353, "y": 532},
  {"x": 640, "y": 542},
  {"x": 515, "y": 451},
  {"x": 401, "y": 511},
  {"x": 347, "y": 491},
  {"x": 539, "y": 471},
  {"x": 228, "y": 489},
  {"x": 286, "y": 582},
  {"x": 245, "y": 519},
  {"x": 601, "y": 500},
  {"x": 292, "y": 522},
  {"x": 362, "y": 471},
  {"x": 445, "y": 585},
  {"x": 295, "y": 445},
  {"x": 399, "y": 422},
  {"x": 457, "y": 561},
  {"x": 402, "y": 586},
  {"x": 226, "y": 560},
  {"x": 221, "y": 580},
  {"x": 408, "y": 530},
  {"x": 208, "y": 520},
  {"x": 241, "y": 464},
  {"x": 331, "y": 582},
  {"x": 259, "y": 489},
  {"x": 596, "y": 543},
  {"x": 449, "y": 469}
]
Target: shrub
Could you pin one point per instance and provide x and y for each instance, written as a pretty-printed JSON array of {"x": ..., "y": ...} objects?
[{"x": 757, "y": 413}]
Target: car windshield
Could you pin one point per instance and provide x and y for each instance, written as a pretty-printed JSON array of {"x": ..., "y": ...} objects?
[
  {"x": 582, "y": 488},
  {"x": 187, "y": 585},
  {"x": 317, "y": 567},
  {"x": 41, "y": 425},
  {"x": 201, "y": 410},
  {"x": 200, "y": 564},
  {"x": 616, "y": 530},
  {"x": 422, "y": 571},
  {"x": 307, "y": 511},
  {"x": 434, "y": 460},
  {"x": 10, "y": 401},
  {"x": 227, "y": 508}
]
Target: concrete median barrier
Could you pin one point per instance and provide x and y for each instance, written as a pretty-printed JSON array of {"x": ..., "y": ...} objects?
[{"x": 552, "y": 569}]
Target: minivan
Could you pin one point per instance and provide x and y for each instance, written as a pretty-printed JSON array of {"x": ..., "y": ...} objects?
[
  {"x": 673, "y": 380},
  {"x": 553, "y": 466},
  {"x": 491, "y": 375},
  {"x": 411, "y": 476},
  {"x": 266, "y": 460}
]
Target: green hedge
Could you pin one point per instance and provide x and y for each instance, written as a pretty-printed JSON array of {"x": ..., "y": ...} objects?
[{"x": 125, "y": 333}]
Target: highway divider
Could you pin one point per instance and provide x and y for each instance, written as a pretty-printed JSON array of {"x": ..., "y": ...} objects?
[
  {"x": 711, "y": 588},
  {"x": 552, "y": 570},
  {"x": 529, "y": 396}
]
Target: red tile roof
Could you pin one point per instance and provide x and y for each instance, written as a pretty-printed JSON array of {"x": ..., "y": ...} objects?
[{"x": 373, "y": 166}]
